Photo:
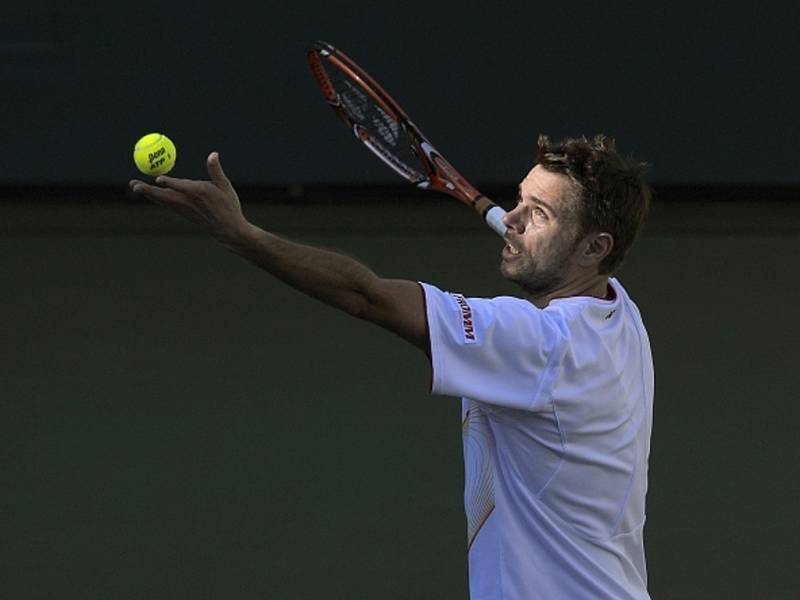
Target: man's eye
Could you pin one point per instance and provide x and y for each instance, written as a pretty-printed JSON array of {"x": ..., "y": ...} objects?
[{"x": 539, "y": 212}]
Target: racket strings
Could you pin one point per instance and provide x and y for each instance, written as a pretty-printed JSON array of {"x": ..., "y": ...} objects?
[{"x": 378, "y": 129}]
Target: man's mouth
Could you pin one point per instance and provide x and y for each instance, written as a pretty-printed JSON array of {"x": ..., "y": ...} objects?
[{"x": 510, "y": 250}]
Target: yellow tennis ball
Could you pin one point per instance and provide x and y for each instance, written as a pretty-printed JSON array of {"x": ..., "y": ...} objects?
[{"x": 154, "y": 154}]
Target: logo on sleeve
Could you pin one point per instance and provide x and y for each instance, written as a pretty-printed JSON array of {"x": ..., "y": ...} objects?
[{"x": 467, "y": 323}]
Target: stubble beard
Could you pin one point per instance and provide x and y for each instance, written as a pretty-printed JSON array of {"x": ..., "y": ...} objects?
[
  {"x": 535, "y": 279},
  {"x": 539, "y": 278}
]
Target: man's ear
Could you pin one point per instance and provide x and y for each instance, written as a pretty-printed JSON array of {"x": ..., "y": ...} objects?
[{"x": 596, "y": 246}]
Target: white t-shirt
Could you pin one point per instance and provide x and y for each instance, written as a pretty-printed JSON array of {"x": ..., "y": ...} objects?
[{"x": 557, "y": 413}]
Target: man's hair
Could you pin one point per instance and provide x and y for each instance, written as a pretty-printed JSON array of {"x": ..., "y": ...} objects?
[{"x": 613, "y": 195}]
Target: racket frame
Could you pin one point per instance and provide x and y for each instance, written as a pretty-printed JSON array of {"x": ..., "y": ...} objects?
[{"x": 440, "y": 174}]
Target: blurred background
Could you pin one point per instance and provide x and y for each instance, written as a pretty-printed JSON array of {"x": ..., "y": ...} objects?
[{"x": 175, "y": 424}]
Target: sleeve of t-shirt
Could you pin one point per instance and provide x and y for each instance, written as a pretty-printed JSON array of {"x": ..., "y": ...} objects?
[{"x": 502, "y": 351}]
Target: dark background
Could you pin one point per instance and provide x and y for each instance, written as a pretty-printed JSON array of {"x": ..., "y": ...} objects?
[
  {"x": 175, "y": 424},
  {"x": 703, "y": 91}
]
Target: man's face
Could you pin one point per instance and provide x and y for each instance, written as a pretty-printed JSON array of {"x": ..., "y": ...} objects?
[{"x": 542, "y": 233}]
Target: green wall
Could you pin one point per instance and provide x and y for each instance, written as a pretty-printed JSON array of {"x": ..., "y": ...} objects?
[{"x": 175, "y": 424}]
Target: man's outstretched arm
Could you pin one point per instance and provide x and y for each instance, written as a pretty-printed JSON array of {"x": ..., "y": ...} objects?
[{"x": 335, "y": 279}]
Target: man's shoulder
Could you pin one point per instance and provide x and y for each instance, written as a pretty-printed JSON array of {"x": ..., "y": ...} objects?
[{"x": 483, "y": 303}]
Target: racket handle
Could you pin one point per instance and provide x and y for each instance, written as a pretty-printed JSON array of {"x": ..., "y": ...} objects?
[
  {"x": 494, "y": 219},
  {"x": 492, "y": 214}
]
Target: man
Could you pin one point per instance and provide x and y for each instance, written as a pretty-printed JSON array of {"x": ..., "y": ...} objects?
[{"x": 556, "y": 388}]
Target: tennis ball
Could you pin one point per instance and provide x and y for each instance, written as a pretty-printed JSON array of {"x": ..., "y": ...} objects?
[{"x": 154, "y": 154}]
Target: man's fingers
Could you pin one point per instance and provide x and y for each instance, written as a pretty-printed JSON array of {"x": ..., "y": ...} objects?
[
  {"x": 216, "y": 173},
  {"x": 153, "y": 192},
  {"x": 186, "y": 186}
]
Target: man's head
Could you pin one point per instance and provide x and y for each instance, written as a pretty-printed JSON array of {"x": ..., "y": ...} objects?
[{"x": 579, "y": 210}]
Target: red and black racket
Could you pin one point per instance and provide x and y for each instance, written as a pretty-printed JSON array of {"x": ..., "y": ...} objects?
[{"x": 379, "y": 122}]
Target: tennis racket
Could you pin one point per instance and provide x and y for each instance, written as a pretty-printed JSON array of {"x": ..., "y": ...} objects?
[{"x": 379, "y": 122}]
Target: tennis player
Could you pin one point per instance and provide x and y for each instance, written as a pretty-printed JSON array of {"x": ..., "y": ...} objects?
[{"x": 556, "y": 386}]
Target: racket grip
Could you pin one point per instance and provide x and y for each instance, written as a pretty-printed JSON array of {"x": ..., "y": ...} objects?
[
  {"x": 494, "y": 219},
  {"x": 492, "y": 214}
]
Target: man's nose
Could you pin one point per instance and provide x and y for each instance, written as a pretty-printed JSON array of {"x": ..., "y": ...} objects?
[{"x": 512, "y": 221}]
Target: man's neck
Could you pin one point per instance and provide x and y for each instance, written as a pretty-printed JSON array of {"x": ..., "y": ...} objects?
[{"x": 596, "y": 286}]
